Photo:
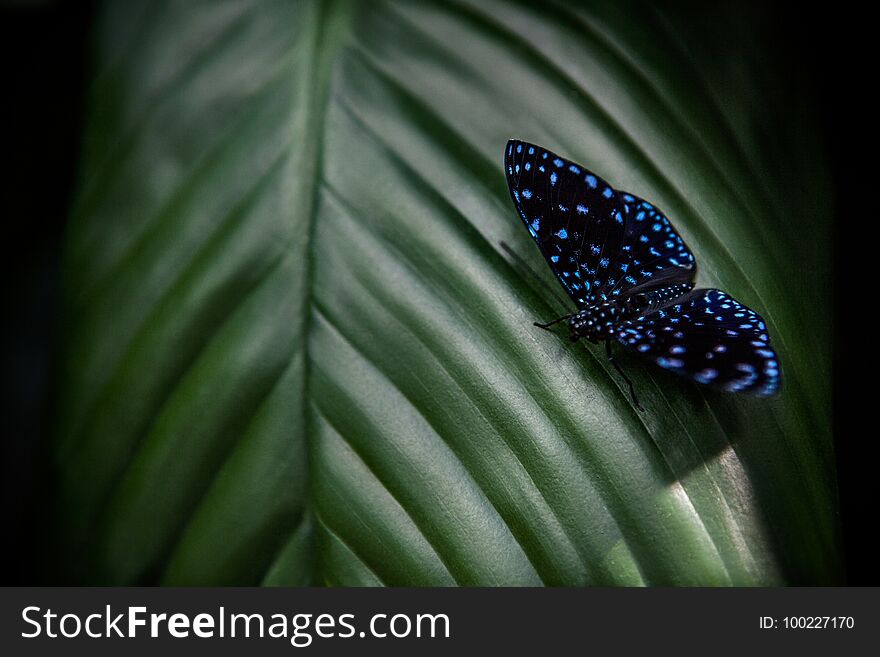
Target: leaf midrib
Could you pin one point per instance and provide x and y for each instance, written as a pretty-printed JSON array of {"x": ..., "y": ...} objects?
[{"x": 337, "y": 12}]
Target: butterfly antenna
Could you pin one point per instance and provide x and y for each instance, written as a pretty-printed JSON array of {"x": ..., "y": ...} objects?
[
  {"x": 522, "y": 264},
  {"x": 547, "y": 326},
  {"x": 632, "y": 390}
]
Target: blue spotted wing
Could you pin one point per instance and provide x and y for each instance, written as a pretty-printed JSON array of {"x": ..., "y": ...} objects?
[
  {"x": 652, "y": 255},
  {"x": 600, "y": 242},
  {"x": 710, "y": 337},
  {"x": 572, "y": 214}
]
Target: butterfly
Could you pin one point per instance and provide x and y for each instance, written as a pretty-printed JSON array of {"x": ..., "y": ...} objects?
[{"x": 630, "y": 275}]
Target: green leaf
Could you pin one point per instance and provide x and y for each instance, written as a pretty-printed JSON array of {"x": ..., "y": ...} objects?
[{"x": 296, "y": 351}]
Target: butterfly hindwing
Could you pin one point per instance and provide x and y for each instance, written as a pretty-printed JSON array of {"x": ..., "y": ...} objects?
[
  {"x": 573, "y": 215},
  {"x": 710, "y": 337}
]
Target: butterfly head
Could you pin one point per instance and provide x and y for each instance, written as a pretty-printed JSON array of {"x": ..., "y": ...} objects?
[{"x": 594, "y": 323}]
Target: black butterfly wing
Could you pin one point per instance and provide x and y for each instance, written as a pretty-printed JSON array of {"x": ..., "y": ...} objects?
[
  {"x": 573, "y": 215},
  {"x": 652, "y": 253},
  {"x": 710, "y": 337}
]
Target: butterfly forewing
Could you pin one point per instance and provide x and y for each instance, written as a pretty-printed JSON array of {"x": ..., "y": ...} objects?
[
  {"x": 573, "y": 215},
  {"x": 653, "y": 254},
  {"x": 710, "y": 337}
]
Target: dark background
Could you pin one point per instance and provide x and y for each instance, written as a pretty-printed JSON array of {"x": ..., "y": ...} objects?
[
  {"x": 45, "y": 56},
  {"x": 44, "y": 62}
]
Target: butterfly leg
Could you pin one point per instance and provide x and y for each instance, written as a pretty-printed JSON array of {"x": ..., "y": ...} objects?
[
  {"x": 632, "y": 390},
  {"x": 547, "y": 326}
]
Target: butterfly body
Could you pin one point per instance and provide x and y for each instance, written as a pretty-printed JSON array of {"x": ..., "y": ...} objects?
[
  {"x": 630, "y": 275},
  {"x": 597, "y": 322},
  {"x": 603, "y": 320}
]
